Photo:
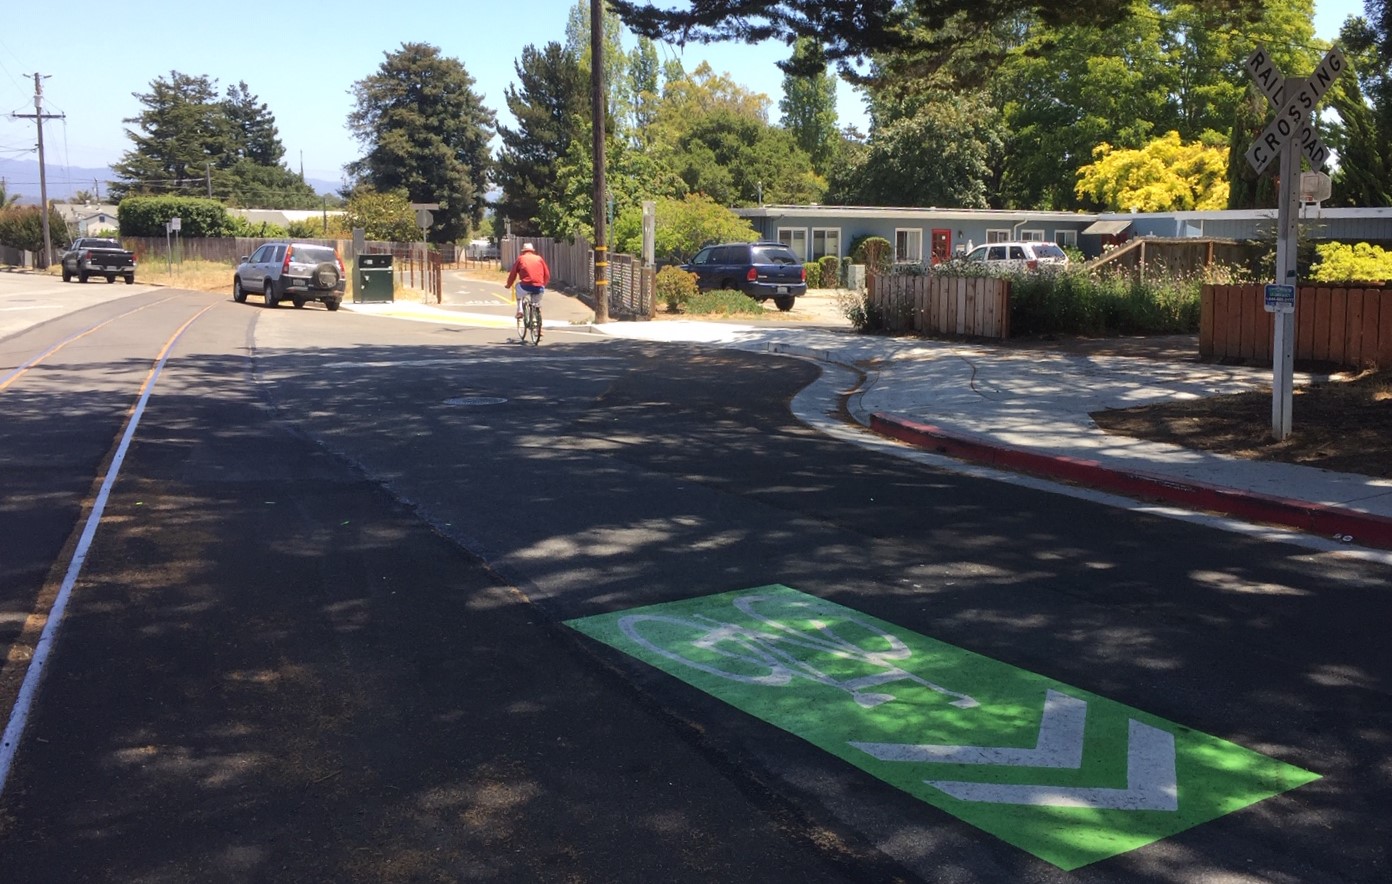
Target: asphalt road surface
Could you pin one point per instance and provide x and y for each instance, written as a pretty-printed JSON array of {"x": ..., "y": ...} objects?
[{"x": 341, "y": 598}]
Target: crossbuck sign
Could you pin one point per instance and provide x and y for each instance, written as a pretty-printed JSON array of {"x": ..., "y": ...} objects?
[
  {"x": 1290, "y": 130},
  {"x": 1292, "y": 121}
]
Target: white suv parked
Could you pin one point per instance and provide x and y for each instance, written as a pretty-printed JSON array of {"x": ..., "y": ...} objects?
[{"x": 1024, "y": 255}]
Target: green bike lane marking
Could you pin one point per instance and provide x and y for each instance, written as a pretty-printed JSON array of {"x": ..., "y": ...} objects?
[{"x": 1065, "y": 774}]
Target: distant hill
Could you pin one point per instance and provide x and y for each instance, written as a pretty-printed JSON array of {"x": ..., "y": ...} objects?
[{"x": 22, "y": 177}]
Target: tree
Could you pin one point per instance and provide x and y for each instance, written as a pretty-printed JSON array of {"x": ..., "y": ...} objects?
[
  {"x": 738, "y": 160},
  {"x": 644, "y": 89},
  {"x": 179, "y": 135},
  {"x": 850, "y": 30},
  {"x": 548, "y": 102},
  {"x": 1363, "y": 135},
  {"x": 253, "y": 129},
  {"x": 809, "y": 107},
  {"x": 928, "y": 152},
  {"x": 386, "y": 217},
  {"x": 1166, "y": 175},
  {"x": 426, "y": 131},
  {"x": 683, "y": 226},
  {"x": 21, "y": 227},
  {"x": 248, "y": 184}
]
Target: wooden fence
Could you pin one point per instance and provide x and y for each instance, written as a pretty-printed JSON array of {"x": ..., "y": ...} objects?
[
  {"x": 1348, "y": 327},
  {"x": 631, "y": 285},
  {"x": 414, "y": 269},
  {"x": 1178, "y": 256},
  {"x": 975, "y": 306}
]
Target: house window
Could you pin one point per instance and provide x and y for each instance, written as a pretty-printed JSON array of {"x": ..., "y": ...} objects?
[
  {"x": 794, "y": 238},
  {"x": 1032, "y": 235},
  {"x": 998, "y": 235},
  {"x": 1066, "y": 238},
  {"x": 908, "y": 246},
  {"x": 826, "y": 241}
]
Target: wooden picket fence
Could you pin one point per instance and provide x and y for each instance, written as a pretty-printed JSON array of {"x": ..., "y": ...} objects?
[
  {"x": 935, "y": 303},
  {"x": 1350, "y": 327}
]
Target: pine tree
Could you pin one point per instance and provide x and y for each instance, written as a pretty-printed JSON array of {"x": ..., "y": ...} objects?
[
  {"x": 549, "y": 105},
  {"x": 426, "y": 131}
]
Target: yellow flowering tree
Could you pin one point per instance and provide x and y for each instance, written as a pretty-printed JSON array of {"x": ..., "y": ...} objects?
[{"x": 1165, "y": 175}]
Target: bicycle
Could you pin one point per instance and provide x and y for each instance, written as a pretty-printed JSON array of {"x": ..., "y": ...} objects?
[
  {"x": 764, "y": 655},
  {"x": 529, "y": 322}
]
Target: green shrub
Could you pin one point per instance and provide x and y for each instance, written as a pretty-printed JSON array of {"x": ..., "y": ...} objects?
[
  {"x": 675, "y": 287},
  {"x": 813, "y": 271},
  {"x": 723, "y": 302},
  {"x": 147, "y": 216},
  {"x": 1075, "y": 302},
  {"x": 1360, "y": 262},
  {"x": 257, "y": 229},
  {"x": 830, "y": 276},
  {"x": 863, "y": 315},
  {"x": 874, "y": 252}
]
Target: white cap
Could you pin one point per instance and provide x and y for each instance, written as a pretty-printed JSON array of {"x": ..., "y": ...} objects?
[{"x": 528, "y": 247}]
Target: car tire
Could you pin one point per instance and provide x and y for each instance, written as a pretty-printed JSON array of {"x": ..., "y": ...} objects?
[
  {"x": 299, "y": 303},
  {"x": 130, "y": 279},
  {"x": 238, "y": 293},
  {"x": 82, "y": 277},
  {"x": 784, "y": 304},
  {"x": 67, "y": 275},
  {"x": 111, "y": 279},
  {"x": 325, "y": 276},
  {"x": 270, "y": 294},
  {"x": 332, "y": 303}
]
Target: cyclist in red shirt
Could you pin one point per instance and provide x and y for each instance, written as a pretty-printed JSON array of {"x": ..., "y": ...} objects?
[{"x": 531, "y": 274}]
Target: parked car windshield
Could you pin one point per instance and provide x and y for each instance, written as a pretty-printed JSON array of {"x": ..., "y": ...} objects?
[
  {"x": 774, "y": 255},
  {"x": 100, "y": 244}
]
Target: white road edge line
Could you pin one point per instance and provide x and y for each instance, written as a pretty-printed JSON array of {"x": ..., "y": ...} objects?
[{"x": 28, "y": 689}]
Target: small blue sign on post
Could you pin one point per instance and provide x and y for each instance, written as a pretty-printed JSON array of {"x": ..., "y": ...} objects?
[{"x": 1280, "y": 299}]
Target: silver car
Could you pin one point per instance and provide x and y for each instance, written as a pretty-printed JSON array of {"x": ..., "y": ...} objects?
[
  {"x": 1023, "y": 255},
  {"x": 298, "y": 271}
]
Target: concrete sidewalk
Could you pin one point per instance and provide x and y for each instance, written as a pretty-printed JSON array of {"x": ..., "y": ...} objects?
[{"x": 1027, "y": 411}]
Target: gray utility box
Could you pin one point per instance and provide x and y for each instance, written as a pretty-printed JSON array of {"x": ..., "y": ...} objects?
[{"x": 375, "y": 281}]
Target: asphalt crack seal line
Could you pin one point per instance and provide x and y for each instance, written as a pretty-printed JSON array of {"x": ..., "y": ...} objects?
[{"x": 1067, "y": 775}]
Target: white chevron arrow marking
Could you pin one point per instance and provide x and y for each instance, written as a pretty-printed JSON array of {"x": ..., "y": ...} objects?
[
  {"x": 1150, "y": 781},
  {"x": 1060, "y": 742}
]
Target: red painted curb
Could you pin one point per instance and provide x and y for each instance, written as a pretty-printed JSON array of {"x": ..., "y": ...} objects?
[{"x": 1366, "y": 529}]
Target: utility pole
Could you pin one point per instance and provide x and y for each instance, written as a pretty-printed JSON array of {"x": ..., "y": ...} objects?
[
  {"x": 597, "y": 112},
  {"x": 208, "y": 171},
  {"x": 38, "y": 116}
]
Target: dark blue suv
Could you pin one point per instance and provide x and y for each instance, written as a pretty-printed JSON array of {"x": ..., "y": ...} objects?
[{"x": 761, "y": 270}]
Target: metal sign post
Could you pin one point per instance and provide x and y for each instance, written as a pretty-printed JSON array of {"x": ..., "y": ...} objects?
[{"x": 1291, "y": 134}]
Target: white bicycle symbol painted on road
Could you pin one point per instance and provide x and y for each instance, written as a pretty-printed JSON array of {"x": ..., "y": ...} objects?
[{"x": 775, "y": 653}]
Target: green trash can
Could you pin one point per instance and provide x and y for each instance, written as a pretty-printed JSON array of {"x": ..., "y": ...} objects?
[{"x": 375, "y": 281}]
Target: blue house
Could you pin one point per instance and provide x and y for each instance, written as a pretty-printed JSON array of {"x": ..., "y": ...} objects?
[{"x": 930, "y": 235}]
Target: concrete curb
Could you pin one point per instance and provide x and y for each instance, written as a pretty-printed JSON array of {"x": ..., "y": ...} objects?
[{"x": 1327, "y": 520}]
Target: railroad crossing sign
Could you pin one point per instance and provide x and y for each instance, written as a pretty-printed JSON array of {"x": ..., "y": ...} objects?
[
  {"x": 1065, "y": 774},
  {"x": 1292, "y": 120},
  {"x": 1289, "y": 129}
]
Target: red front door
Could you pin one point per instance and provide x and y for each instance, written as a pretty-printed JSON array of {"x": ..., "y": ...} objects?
[{"x": 942, "y": 246}]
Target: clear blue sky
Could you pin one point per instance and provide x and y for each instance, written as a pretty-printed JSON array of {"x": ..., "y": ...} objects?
[{"x": 96, "y": 54}]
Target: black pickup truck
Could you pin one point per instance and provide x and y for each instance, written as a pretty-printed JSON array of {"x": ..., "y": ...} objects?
[{"x": 93, "y": 256}]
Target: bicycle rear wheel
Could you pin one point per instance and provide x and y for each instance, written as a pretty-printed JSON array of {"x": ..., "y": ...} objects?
[{"x": 532, "y": 318}]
